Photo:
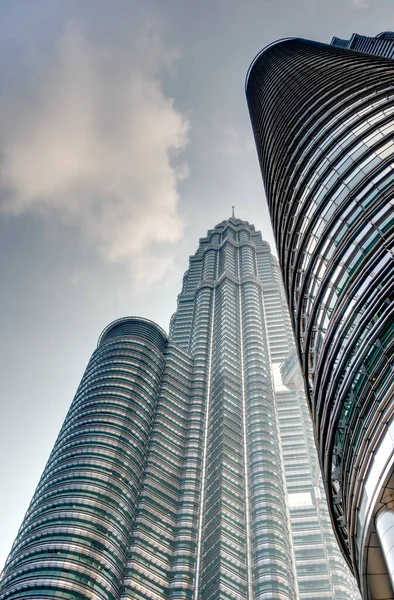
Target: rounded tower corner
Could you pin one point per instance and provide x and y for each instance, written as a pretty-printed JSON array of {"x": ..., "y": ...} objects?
[
  {"x": 261, "y": 52},
  {"x": 135, "y": 327}
]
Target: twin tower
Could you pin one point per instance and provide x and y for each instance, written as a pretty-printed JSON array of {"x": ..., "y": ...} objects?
[{"x": 168, "y": 478}]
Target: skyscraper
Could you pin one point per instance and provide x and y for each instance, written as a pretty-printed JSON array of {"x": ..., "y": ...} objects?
[
  {"x": 168, "y": 477},
  {"x": 323, "y": 120}
]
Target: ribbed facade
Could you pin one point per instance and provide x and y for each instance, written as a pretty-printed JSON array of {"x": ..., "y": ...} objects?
[
  {"x": 106, "y": 515},
  {"x": 320, "y": 568},
  {"x": 323, "y": 120},
  {"x": 380, "y": 45},
  {"x": 244, "y": 545},
  {"x": 185, "y": 468}
]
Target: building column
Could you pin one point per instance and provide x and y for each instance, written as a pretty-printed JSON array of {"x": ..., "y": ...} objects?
[{"x": 385, "y": 530}]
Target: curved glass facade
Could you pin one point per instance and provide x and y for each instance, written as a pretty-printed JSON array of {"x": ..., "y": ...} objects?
[
  {"x": 76, "y": 535},
  {"x": 323, "y": 120},
  {"x": 320, "y": 569}
]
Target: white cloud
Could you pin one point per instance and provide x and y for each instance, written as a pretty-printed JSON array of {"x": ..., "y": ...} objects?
[
  {"x": 96, "y": 141},
  {"x": 360, "y": 3}
]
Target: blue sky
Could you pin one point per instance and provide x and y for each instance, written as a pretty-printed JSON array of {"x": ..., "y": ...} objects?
[{"x": 124, "y": 136}]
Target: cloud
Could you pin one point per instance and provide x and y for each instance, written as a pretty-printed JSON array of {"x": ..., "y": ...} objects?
[
  {"x": 95, "y": 141},
  {"x": 360, "y": 3}
]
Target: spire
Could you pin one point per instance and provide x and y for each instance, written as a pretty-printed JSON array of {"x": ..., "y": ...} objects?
[{"x": 233, "y": 215}]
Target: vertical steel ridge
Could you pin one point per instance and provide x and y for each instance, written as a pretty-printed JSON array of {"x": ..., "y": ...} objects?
[
  {"x": 271, "y": 283},
  {"x": 204, "y": 453},
  {"x": 273, "y": 558},
  {"x": 313, "y": 539},
  {"x": 161, "y": 553},
  {"x": 224, "y": 559},
  {"x": 249, "y": 567},
  {"x": 225, "y": 262},
  {"x": 323, "y": 121}
]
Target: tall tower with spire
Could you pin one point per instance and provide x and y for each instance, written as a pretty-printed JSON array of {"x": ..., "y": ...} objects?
[
  {"x": 243, "y": 529},
  {"x": 185, "y": 466}
]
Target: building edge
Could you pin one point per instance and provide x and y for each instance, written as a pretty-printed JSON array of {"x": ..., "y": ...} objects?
[{"x": 135, "y": 327}]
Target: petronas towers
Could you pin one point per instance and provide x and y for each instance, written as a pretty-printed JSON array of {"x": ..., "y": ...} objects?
[{"x": 185, "y": 467}]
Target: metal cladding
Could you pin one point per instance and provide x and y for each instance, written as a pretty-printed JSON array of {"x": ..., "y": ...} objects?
[
  {"x": 244, "y": 548},
  {"x": 320, "y": 569},
  {"x": 135, "y": 328},
  {"x": 380, "y": 45},
  {"x": 255, "y": 530},
  {"x": 112, "y": 456},
  {"x": 167, "y": 481},
  {"x": 323, "y": 120}
]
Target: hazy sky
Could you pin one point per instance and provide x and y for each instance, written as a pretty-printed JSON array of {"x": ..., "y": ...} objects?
[{"x": 124, "y": 136}]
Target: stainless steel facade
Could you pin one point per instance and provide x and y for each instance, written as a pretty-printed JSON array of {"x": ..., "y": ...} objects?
[
  {"x": 244, "y": 544},
  {"x": 380, "y": 45},
  {"x": 323, "y": 120},
  {"x": 112, "y": 509},
  {"x": 185, "y": 468},
  {"x": 76, "y": 535},
  {"x": 320, "y": 568}
]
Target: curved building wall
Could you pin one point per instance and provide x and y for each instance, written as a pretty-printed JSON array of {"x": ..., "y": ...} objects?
[
  {"x": 321, "y": 570},
  {"x": 75, "y": 538},
  {"x": 323, "y": 120},
  {"x": 161, "y": 561}
]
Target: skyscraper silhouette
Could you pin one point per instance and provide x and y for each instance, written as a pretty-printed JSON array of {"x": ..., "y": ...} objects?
[
  {"x": 323, "y": 120},
  {"x": 185, "y": 466}
]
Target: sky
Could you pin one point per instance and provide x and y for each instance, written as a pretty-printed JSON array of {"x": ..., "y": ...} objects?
[{"x": 124, "y": 137}]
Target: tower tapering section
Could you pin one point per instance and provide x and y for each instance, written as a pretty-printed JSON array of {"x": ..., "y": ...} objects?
[{"x": 244, "y": 548}]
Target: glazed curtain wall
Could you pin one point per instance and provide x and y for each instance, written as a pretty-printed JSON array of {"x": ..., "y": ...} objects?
[
  {"x": 245, "y": 548},
  {"x": 113, "y": 515},
  {"x": 323, "y": 120}
]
